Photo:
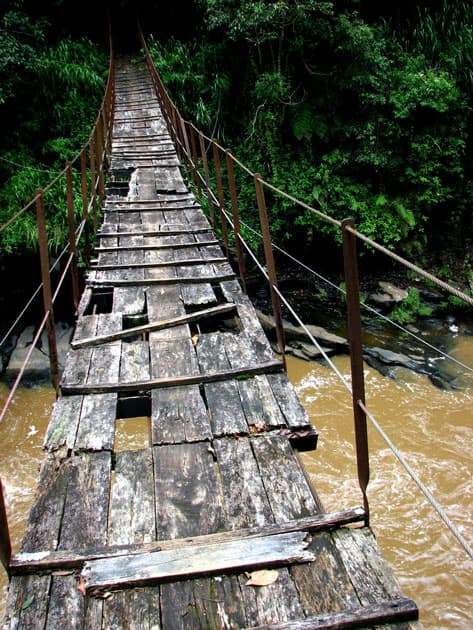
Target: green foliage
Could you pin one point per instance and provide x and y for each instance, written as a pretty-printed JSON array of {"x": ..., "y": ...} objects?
[{"x": 410, "y": 309}]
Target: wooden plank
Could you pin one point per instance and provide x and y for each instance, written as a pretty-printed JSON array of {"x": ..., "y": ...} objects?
[
  {"x": 163, "y": 247},
  {"x": 191, "y": 506},
  {"x": 193, "y": 295},
  {"x": 159, "y": 325},
  {"x": 119, "y": 282},
  {"x": 218, "y": 603},
  {"x": 27, "y": 602},
  {"x": 176, "y": 381},
  {"x": 76, "y": 368},
  {"x": 173, "y": 360},
  {"x": 129, "y": 300},
  {"x": 184, "y": 262},
  {"x": 246, "y": 502},
  {"x": 179, "y": 414},
  {"x": 317, "y": 593},
  {"x": 132, "y": 515},
  {"x": 26, "y": 562},
  {"x": 386, "y": 611},
  {"x": 164, "y": 303},
  {"x": 223, "y": 398},
  {"x": 134, "y": 610},
  {"x": 289, "y": 494},
  {"x": 282, "y": 549},
  {"x": 164, "y": 232},
  {"x": 44, "y": 520},
  {"x": 62, "y": 427},
  {"x": 294, "y": 413},
  {"x": 279, "y": 601},
  {"x": 84, "y": 522},
  {"x": 178, "y": 610},
  {"x": 65, "y": 596},
  {"x": 135, "y": 361},
  {"x": 96, "y": 429}
]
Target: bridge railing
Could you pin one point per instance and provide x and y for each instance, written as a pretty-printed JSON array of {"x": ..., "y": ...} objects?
[
  {"x": 203, "y": 157},
  {"x": 83, "y": 178}
]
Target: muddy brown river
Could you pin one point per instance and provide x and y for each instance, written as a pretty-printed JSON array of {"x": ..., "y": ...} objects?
[{"x": 433, "y": 428}]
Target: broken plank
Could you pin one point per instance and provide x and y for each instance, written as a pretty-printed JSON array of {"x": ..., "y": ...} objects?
[
  {"x": 382, "y": 612},
  {"x": 129, "y": 300},
  {"x": 279, "y": 550},
  {"x": 44, "y": 561},
  {"x": 289, "y": 493},
  {"x": 179, "y": 415},
  {"x": 176, "y": 381},
  {"x": 159, "y": 325},
  {"x": 62, "y": 427},
  {"x": 27, "y": 603}
]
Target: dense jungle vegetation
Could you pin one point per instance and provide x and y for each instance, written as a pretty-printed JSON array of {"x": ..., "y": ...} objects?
[{"x": 357, "y": 107}]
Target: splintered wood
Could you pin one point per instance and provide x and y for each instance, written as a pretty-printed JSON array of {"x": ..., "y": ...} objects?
[{"x": 213, "y": 524}]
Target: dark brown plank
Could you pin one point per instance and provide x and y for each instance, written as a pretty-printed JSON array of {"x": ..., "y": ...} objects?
[
  {"x": 277, "y": 602},
  {"x": 382, "y": 612},
  {"x": 44, "y": 521},
  {"x": 66, "y": 603},
  {"x": 84, "y": 522},
  {"x": 27, "y": 603},
  {"x": 192, "y": 506},
  {"x": 137, "y": 609},
  {"x": 132, "y": 514}
]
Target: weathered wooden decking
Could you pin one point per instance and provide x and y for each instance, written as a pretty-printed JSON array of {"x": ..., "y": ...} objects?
[{"x": 164, "y": 536}]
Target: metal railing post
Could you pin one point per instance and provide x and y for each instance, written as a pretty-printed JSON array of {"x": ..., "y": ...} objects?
[
  {"x": 5, "y": 542},
  {"x": 85, "y": 203},
  {"x": 207, "y": 177},
  {"x": 350, "y": 263},
  {"x": 72, "y": 236},
  {"x": 236, "y": 218},
  {"x": 47, "y": 293},
  {"x": 268, "y": 254},
  {"x": 221, "y": 198},
  {"x": 93, "y": 182},
  {"x": 196, "y": 160}
]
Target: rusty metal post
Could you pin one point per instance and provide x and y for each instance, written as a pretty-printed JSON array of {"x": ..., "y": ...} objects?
[
  {"x": 196, "y": 161},
  {"x": 72, "y": 236},
  {"x": 5, "y": 542},
  {"x": 207, "y": 177},
  {"x": 350, "y": 263},
  {"x": 268, "y": 254},
  {"x": 236, "y": 217},
  {"x": 93, "y": 182},
  {"x": 47, "y": 292},
  {"x": 85, "y": 203},
  {"x": 221, "y": 198},
  {"x": 187, "y": 150},
  {"x": 99, "y": 158}
]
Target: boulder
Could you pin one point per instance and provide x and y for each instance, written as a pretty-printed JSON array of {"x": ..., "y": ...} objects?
[
  {"x": 297, "y": 333},
  {"x": 37, "y": 370}
]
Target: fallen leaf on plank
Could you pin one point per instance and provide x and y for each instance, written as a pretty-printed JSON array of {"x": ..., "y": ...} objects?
[{"x": 265, "y": 577}]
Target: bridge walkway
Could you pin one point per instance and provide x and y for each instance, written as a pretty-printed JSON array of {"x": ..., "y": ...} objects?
[{"x": 175, "y": 534}]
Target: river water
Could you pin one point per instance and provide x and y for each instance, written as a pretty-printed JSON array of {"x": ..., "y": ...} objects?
[{"x": 432, "y": 427}]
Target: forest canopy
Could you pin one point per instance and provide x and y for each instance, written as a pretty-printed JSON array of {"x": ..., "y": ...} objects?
[{"x": 361, "y": 109}]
